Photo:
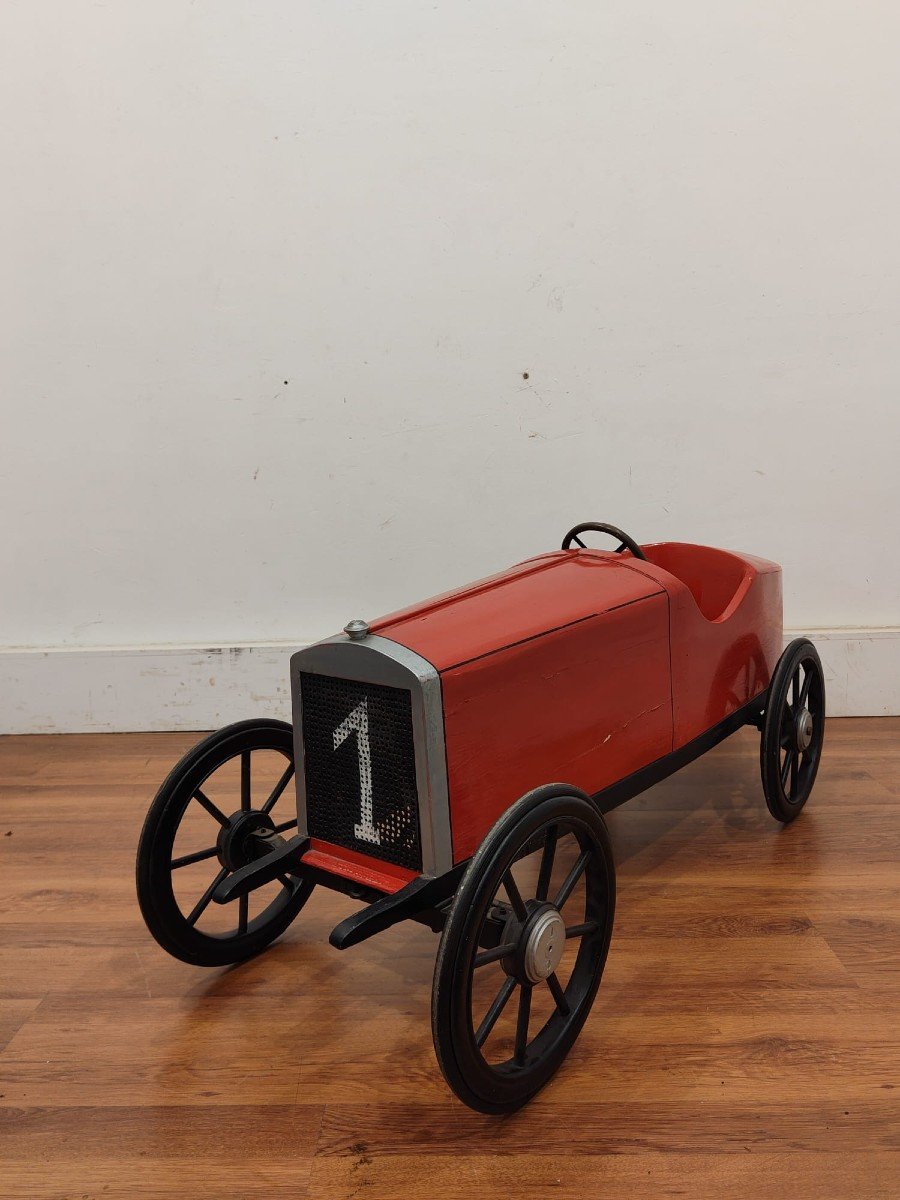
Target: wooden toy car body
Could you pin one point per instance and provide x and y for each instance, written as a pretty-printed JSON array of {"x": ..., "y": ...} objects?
[{"x": 427, "y": 744}]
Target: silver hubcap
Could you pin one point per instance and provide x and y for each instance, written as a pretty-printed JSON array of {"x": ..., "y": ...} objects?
[
  {"x": 545, "y": 945},
  {"x": 804, "y": 730}
]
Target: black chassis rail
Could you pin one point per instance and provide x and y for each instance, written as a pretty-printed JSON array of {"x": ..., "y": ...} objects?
[
  {"x": 427, "y": 899},
  {"x": 423, "y": 899}
]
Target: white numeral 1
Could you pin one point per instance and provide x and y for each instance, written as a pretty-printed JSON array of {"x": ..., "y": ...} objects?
[{"x": 358, "y": 723}]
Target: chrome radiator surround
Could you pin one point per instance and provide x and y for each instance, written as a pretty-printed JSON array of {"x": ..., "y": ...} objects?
[{"x": 378, "y": 660}]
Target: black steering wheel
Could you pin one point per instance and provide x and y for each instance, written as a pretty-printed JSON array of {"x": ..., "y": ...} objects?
[{"x": 625, "y": 542}]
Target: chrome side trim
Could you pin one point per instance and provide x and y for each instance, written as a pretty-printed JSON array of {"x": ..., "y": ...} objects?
[{"x": 379, "y": 660}]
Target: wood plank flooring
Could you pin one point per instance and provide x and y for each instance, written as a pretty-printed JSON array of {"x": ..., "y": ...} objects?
[{"x": 745, "y": 1041}]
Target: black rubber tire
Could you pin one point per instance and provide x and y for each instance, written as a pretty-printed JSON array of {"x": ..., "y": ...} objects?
[
  {"x": 786, "y": 803},
  {"x": 482, "y": 1086},
  {"x": 156, "y": 897}
]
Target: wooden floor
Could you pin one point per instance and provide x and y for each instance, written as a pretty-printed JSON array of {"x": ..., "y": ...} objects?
[{"x": 745, "y": 1041}]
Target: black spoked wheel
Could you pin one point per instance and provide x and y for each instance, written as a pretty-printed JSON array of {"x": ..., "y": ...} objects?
[
  {"x": 793, "y": 730},
  {"x": 200, "y": 828},
  {"x": 523, "y": 949}
]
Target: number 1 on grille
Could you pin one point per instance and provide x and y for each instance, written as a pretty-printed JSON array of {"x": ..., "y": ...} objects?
[{"x": 358, "y": 723}]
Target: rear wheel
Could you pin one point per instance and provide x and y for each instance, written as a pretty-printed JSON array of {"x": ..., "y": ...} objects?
[
  {"x": 200, "y": 828},
  {"x": 523, "y": 949},
  {"x": 793, "y": 730}
]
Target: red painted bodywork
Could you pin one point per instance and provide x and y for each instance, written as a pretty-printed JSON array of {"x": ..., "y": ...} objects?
[
  {"x": 725, "y": 620},
  {"x": 372, "y": 872},
  {"x": 583, "y": 666}
]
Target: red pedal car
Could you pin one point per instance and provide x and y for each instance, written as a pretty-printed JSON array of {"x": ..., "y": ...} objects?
[{"x": 454, "y": 761}]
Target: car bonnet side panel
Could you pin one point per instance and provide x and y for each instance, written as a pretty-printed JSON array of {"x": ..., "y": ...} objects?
[{"x": 587, "y": 704}]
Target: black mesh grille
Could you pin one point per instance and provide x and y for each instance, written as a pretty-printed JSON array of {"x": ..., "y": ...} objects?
[{"x": 358, "y": 744}]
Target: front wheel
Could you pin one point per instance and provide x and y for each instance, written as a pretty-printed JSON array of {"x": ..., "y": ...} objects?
[
  {"x": 523, "y": 949},
  {"x": 200, "y": 828}
]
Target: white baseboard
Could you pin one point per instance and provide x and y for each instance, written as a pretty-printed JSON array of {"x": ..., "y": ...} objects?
[{"x": 118, "y": 689}]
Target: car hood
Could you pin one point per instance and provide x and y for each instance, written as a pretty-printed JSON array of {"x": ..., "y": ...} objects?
[{"x": 530, "y": 599}]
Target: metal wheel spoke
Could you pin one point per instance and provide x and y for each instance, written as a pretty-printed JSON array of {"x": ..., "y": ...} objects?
[
  {"x": 205, "y": 802},
  {"x": 546, "y": 868},
  {"x": 494, "y": 954},
  {"x": 522, "y": 1022},
  {"x": 786, "y": 766},
  {"x": 515, "y": 896},
  {"x": 804, "y": 691},
  {"x": 582, "y": 929},
  {"x": 197, "y": 856},
  {"x": 245, "y": 781},
  {"x": 243, "y": 912},
  {"x": 493, "y": 1013},
  {"x": 279, "y": 788},
  {"x": 786, "y": 735},
  {"x": 795, "y": 772},
  {"x": 558, "y": 994},
  {"x": 571, "y": 879},
  {"x": 795, "y": 688},
  {"x": 204, "y": 900},
  {"x": 285, "y": 825}
]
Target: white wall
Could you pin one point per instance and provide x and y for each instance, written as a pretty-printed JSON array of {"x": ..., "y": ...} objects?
[{"x": 274, "y": 274}]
